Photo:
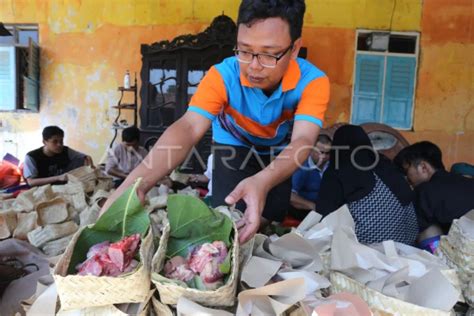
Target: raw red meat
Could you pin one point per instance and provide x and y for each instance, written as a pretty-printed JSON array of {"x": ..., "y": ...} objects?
[
  {"x": 203, "y": 261},
  {"x": 122, "y": 252},
  {"x": 177, "y": 268},
  {"x": 105, "y": 259},
  {"x": 214, "y": 253}
]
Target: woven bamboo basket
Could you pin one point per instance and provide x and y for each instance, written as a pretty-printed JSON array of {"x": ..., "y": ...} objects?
[
  {"x": 159, "y": 308},
  {"x": 87, "y": 176},
  {"x": 462, "y": 262},
  {"x": 171, "y": 292},
  {"x": 379, "y": 301},
  {"x": 469, "y": 293},
  {"x": 326, "y": 260},
  {"x": 53, "y": 211},
  {"x": 459, "y": 239},
  {"x": 457, "y": 255},
  {"x": 76, "y": 291}
]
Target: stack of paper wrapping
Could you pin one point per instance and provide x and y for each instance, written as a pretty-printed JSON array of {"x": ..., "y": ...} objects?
[
  {"x": 272, "y": 299},
  {"x": 395, "y": 270},
  {"x": 320, "y": 233},
  {"x": 392, "y": 269},
  {"x": 299, "y": 257}
]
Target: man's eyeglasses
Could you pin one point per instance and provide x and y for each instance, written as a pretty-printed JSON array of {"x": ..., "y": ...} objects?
[{"x": 265, "y": 60}]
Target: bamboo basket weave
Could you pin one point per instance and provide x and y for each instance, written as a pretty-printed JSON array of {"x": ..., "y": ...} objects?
[
  {"x": 457, "y": 255},
  {"x": 77, "y": 291},
  {"x": 171, "y": 292},
  {"x": 459, "y": 239},
  {"x": 379, "y": 301},
  {"x": 462, "y": 262}
]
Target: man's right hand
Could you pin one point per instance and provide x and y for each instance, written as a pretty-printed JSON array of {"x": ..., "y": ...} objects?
[
  {"x": 170, "y": 150},
  {"x": 254, "y": 193},
  {"x": 141, "y": 191}
]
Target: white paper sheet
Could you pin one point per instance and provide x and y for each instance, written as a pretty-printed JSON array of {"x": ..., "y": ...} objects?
[
  {"x": 433, "y": 290},
  {"x": 258, "y": 271},
  {"x": 187, "y": 307},
  {"x": 272, "y": 299}
]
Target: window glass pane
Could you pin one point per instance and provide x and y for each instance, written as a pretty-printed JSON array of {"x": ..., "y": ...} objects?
[
  {"x": 402, "y": 44},
  {"x": 163, "y": 96},
  {"x": 194, "y": 77},
  {"x": 7, "y": 40},
  {"x": 24, "y": 35},
  {"x": 7, "y": 78},
  {"x": 362, "y": 41}
]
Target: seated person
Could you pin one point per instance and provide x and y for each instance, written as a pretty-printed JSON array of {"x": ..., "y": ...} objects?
[
  {"x": 440, "y": 196},
  {"x": 307, "y": 179},
  {"x": 49, "y": 163},
  {"x": 375, "y": 191},
  {"x": 125, "y": 156}
]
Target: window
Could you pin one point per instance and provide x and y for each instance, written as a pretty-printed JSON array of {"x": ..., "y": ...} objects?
[
  {"x": 385, "y": 78},
  {"x": 19, "y": 68}
]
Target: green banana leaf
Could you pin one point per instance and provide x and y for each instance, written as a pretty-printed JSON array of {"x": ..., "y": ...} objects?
[
  {"x": 126, "y": 216},
  {"x": 193, "y": 223}
]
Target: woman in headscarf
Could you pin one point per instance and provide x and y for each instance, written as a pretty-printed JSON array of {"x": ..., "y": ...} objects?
[{"x": 378, "y": 197}]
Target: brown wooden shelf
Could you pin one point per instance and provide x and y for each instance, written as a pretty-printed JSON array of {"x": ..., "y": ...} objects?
[
  {"x": 132, "y": 88},
  {"x": 124, "y": 106},
  {"x": 119, "y": 127}
]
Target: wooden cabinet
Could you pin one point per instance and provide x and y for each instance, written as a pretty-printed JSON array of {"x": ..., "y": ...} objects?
[{"x": 170, "y": 74}]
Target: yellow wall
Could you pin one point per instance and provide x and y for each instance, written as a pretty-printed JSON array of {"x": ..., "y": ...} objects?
[
  {"x": 444, "y": 108},
  {"x": 87, "y": 46}
]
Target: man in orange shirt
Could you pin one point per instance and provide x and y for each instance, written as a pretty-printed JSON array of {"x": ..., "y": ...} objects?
[{"x": 251, "y": 101}]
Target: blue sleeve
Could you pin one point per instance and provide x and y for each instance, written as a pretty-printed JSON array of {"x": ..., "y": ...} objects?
[
  {"x": 76, "y": 159},
  {"x": 204, "y": 113},
  {"x": 297, "y": 181}
]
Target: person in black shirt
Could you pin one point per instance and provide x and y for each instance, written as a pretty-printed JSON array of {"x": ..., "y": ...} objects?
[
  {"x": 49, "y": 163},
  {"x": 440, "y": 196}
]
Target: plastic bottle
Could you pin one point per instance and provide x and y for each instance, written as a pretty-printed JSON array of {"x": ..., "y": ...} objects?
[{"x": 126, "y": 80}]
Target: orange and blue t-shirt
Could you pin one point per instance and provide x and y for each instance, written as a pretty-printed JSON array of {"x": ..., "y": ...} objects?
[{"x": 303, "y": 94}]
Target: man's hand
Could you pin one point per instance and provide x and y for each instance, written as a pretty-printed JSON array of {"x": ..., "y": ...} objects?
[
  {"x": 254, "y": 194},
  {"x": 197, "y": 178},
  {"x": 61, "y": 178},
  {"x": 89, "y": 162},
  {"x": 170, "y": 150}
]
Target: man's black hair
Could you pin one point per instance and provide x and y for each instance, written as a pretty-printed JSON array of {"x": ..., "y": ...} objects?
[
  {"x": 422, "y": 151},
  {"x": 130, "y": 134},
  {"x": 291, "y": 11},
  {"x": 50, "y": 131},
  {"x": 324, "y": 139}
]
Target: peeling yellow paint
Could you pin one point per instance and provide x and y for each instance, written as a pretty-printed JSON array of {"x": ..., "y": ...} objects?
[
  {"x": 86, "y": 46},
  {"x": 364, "y": 14},
  {"x": 88, "y": 15}
]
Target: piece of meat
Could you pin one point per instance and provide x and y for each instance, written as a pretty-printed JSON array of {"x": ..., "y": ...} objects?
[
  {"x": 181, "y": 272},
  {"x": 173, "y": 263},
  {"x": 133, "y": 264},
  {"x": 91, "y": 266},
  {"x": 105, "y": 259},
  {"x": 177, "y": 268},
  {"x": 98, "y": 249},
  {"x": 207, "y": 252},
  {"x": 122, "y": 252}
]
